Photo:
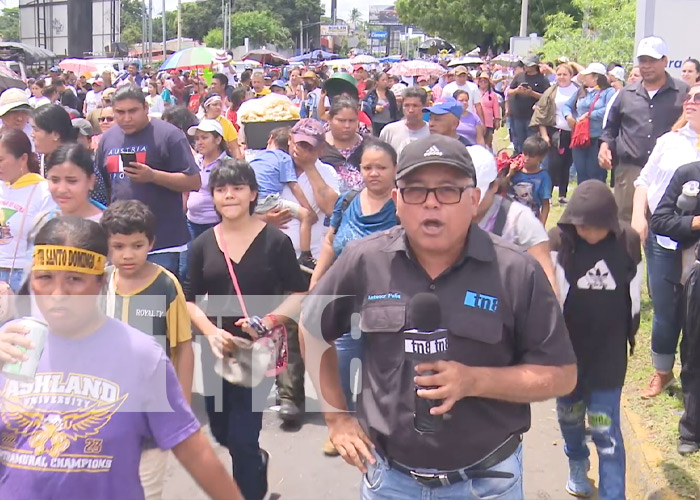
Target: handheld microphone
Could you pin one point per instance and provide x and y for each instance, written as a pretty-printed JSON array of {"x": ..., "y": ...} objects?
[{"x": 424, "y": 343}]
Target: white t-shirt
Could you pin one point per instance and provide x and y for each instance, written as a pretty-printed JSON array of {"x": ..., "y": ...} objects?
[
  {"x": 92, "y": 100},
  {"x": 398, "y": 135},
  {"x": 155, "y": 104},
  {"x": 39, "y": 101},
  {"x": 563, "y": 96},
  {"x": 318, "y": 230},
  {"x": 230, "y": 74},
  {"x": 522, "y": 228},
  {"x": 472, "y": 88},
  {"x": 19, "y": 213}
]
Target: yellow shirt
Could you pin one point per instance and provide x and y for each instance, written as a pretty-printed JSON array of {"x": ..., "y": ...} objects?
[
  {"x": 230, "y": 133},
  {"x": 263, "y": 92}
]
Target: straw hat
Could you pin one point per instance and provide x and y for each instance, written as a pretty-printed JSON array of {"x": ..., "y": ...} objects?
[{"x": 13, "y": 99}]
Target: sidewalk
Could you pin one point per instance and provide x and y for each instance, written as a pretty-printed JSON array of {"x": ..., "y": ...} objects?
[{"x": 300, "y": 471}]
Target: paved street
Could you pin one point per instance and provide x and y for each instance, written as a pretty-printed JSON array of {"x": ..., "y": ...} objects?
[{"x": 300, "y": 471}]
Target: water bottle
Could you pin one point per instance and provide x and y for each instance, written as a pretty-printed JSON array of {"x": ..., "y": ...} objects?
[{"x": 688, "y": 200}]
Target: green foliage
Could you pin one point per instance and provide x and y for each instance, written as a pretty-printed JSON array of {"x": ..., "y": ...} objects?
[
  {"x": 260, "y": 27},
  {"x": 609, "y": 37},
  {"x": 288, "y": 12},
  {"x": 9, "y": 24},
  {"x": 486, "y": 23},
  {"x": 215, "y": 38}
]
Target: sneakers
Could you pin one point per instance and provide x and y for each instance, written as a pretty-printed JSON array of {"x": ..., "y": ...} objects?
[
  {"x": 578, "y": 484},
  {"x": 307, "y": 263},
  {"x": 329, "y": 450},
  {"x": 265, "y": 458},
  {"x": 659, "y": 383},
  {"x": 563, "y": 201},
  {"x": 687, "y": 447}
]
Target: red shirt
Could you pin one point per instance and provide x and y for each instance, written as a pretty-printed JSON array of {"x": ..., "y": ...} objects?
[
  {"x": 194, "y": 103},
  {"x": 232, "y": 116},
  {"x": 361, "y": 87}
]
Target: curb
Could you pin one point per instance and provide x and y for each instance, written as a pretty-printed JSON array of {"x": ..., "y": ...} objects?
[{"x": 643, "y": 481}]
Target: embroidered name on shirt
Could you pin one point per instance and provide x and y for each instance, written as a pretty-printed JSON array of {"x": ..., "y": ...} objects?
[
  {"x": 383, "y": 296},
  {"x": 481, "y": 301}
]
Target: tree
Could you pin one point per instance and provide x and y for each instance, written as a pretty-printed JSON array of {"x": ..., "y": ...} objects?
[
  {"x": 259, "y": 27},
  {"x": 608, "y": 37},
  {"x": 9, "y": 24},
  {"x": 215, "y": 38},
  {"x": 355, "y": 17},
  {"x": 130, "y": 21},
  {"x": 288, "y": 12},
  {"x": 486, "y": 23}
]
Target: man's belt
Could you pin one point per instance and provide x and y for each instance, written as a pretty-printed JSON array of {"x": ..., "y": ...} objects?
[{"x": 477, "y": 470}]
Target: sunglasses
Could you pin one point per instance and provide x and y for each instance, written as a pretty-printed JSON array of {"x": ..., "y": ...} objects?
[
  {"x": 693, "y": 98},
  {"x": 106, "y": 118}
]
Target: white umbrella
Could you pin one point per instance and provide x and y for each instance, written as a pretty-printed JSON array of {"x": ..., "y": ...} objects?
[
  {"x": 364, "y": 59},
  {"x": 506, "y": 59},
  {"x": 417, "y": 68},
  {"x": 465, "y": 61}
]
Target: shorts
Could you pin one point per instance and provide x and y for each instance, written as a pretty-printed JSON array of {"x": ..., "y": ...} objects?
[{"x": 273, "y": 201}]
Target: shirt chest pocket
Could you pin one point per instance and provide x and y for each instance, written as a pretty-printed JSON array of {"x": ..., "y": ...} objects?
[
  {"x": 477, "y": 337},
  {"x": 382, "y": 327}
]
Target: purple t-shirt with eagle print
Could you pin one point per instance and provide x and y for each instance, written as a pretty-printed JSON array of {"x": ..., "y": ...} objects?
[{"x": 77, "y": 431}]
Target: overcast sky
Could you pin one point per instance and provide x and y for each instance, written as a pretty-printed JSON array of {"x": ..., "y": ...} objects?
[{"x": 344, "y": 6}]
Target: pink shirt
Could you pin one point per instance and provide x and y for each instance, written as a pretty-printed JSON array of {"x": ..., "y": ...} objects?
[{"x": 491, "y": 107}]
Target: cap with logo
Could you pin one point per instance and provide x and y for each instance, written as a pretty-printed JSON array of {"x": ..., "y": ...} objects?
[
  {"x": 652, "y": 46},
  {"x": 595, "y": 68},
  {"x": 436, "y": 150},
  {"x": 13, "y": 99},
  {"x": 207, "y": 125},
  {"x": 310, "y": 131},
  {"x": 449, "y": 105}
]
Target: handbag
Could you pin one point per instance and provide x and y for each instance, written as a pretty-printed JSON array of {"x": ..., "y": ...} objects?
[
  {"x": 581, "y": 136},
  {"x": 251, "y": 360}
]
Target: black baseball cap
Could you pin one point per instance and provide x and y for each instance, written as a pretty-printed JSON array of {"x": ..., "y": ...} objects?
[{"x": 436, "y": 150}]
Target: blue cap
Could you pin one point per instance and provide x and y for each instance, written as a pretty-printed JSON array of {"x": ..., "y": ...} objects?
[
  {"x": 278, "y": 83},
  {"x": 55, "y": 69},
  {"x": 449, "y": 105}
]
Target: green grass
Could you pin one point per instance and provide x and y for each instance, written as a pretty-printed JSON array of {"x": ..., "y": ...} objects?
[{"x": 661, "y": 414}]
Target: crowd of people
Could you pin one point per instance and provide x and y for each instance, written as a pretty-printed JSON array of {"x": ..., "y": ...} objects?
[{"x": 134, "y": 217}]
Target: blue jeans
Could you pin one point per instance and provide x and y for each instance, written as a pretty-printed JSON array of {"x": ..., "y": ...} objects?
[
  {"x": 168, "y": 260},
  {"x": 383, "y": 483},
  {"x": 237, "y": 427},
  {"x": 586, "y": 163},
  {"x": 603, "y": 408},
  {"x": 664, "y": 272},
  {"x": 13, "y": 277},
  {"x": 348, "y": 349},
  {"x": 520, "y": 130}
]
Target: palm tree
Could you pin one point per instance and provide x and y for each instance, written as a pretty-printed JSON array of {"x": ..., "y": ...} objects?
[{"x": 355, "y": 17}]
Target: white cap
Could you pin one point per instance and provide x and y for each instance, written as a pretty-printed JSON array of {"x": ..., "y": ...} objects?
[
  {"x": 207, "y": 125},
  {"x": 652, "y": 46},
  {"x": 485, "y": 166},
  {"x": 13, "y": 98},
  {"x": 597, "y": 68},
  {"x": 618, "y": 73}
]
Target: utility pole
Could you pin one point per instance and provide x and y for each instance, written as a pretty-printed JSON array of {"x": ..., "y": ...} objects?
[
  {"x": 165, "y": 36},
  {"x": 523, "y": 17},
  {"x": 301, "y": 37},
  {"x": 179, "y": 24},
  {"x": 150, "y": 31}
]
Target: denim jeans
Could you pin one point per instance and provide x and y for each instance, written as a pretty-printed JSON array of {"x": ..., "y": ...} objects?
[
  {"x": 586, "y": 163},
  {"x": 237, "y": 427},
  {"x": 664, "y": 272},
  {"x": 603, "y": 408},
  {"x": 348, "y": 349},
  {"x": 13, "y": 277},
  {"x": 168, "y": 260},
  {"x": 520, "y": 130},
  {"x": 383, "y": 483}
]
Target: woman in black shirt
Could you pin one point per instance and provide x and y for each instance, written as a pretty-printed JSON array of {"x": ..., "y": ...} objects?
[{"x": 265, "y": 265}]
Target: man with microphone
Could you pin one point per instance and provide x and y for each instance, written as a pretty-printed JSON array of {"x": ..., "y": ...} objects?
[{"x": 462, "y": 332}]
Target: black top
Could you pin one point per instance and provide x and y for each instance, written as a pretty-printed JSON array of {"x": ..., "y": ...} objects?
[
  {"x": 521, "y": 105},
  {"x": 267, "y": 271},
  {"x": 636, "y": 121},
  {"x": 499, "y": 310},
  {"x": 668, "y": 219},
  {"x": 70, "y": 100}
]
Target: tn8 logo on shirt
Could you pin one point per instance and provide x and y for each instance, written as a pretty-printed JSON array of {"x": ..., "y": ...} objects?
[{"x": 481, "y": 301}]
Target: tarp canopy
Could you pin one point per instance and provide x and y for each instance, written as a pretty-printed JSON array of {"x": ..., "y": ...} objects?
[
  {"x": 316, "y": 55},
  {"x": 14, "y": 51}
]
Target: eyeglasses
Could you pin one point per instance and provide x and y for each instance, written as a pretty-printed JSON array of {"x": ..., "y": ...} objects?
[
  {"x": 693, "y": 98},
  {"x": 447, "y": 195},
  {"x": 106, "y": 118}
]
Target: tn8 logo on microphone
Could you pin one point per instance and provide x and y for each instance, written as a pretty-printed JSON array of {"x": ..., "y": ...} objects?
[{"x": 481, "y": 301}]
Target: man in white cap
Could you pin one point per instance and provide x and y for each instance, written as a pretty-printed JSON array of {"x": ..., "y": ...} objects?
[
  {"x": 93, "y": 97},
  {"x": 15, "y": 111},
  {"x": 642, "y": 113}
]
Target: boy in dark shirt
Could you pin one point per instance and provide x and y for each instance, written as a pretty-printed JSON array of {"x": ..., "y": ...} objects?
[
  {"x": 531, "y": 185},
  {"x": 598, "y": 265}
]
